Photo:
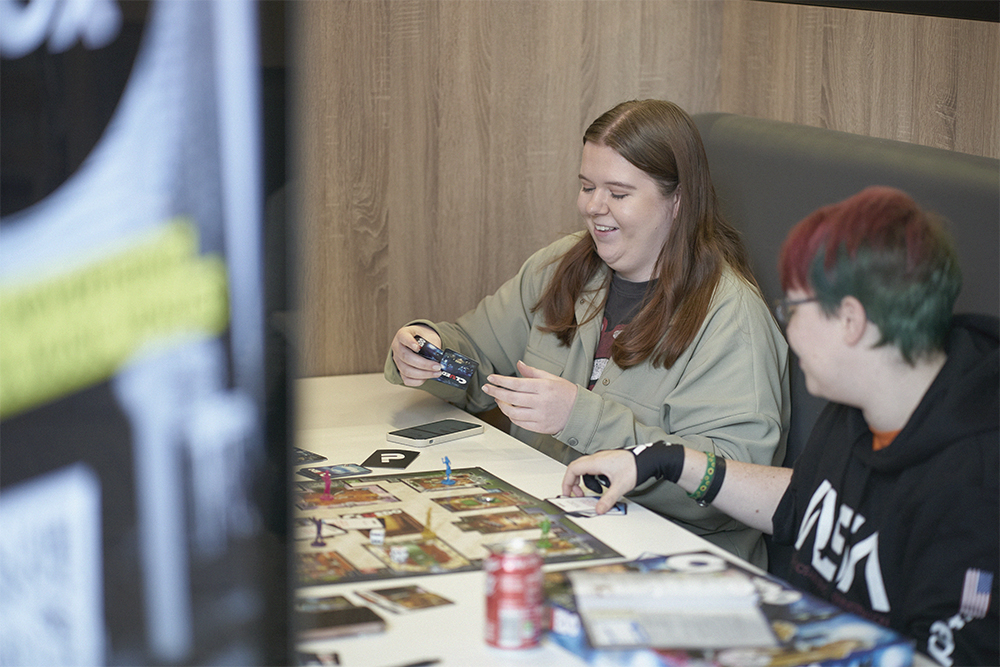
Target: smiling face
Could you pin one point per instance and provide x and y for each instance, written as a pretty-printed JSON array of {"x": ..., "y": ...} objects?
[{"x": 625, "y": 212}]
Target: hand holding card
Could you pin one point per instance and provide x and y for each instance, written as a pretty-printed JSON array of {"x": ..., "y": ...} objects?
[{"x": 456, "y": 369}]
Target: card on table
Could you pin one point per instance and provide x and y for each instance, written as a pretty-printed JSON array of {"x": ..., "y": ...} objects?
[
  {"x": 390, "y": 458},
  {"x": 326, "y": 603},
  {"x": 303, "y": 457},
  {"x": 401, "y": 599},
  {"x": 357, "y": 522},
  {"x": 584, "y": 506},
  {"x": 342, "y": 470}
]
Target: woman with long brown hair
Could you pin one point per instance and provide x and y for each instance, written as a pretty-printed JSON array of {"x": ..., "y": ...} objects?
[{"x": 648, "y": 325}]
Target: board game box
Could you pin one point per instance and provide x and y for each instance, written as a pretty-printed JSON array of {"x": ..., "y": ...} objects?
[
  {"x": 409, "y": 524},
  {"x": 807, "y": 630}
]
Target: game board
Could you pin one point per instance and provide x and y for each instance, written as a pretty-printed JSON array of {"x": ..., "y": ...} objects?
[{"x": 429, "y": 526}]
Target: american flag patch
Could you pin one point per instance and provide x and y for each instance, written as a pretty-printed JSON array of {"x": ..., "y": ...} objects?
[{"x": 976, "y": 593}]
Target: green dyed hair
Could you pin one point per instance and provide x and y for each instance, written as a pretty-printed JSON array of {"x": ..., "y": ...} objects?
[{"x": 880, "y": 247}]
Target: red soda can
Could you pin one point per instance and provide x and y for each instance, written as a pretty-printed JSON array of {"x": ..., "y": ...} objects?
[{"x": 514, "y": 595}]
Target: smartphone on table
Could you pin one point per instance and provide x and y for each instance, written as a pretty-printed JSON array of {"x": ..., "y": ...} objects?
[{"x": 434, "y": 433}]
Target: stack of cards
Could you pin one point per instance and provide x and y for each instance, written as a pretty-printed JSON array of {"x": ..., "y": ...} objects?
[{"x": 456, "y": 369}]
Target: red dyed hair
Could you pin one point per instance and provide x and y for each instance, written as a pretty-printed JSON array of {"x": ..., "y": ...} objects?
[
  {"x": 880, "y": 247},
  {"x": 878, "y": 217}
]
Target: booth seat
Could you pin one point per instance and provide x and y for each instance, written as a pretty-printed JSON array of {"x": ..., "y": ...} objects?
[{"x": 770, "y": 174}]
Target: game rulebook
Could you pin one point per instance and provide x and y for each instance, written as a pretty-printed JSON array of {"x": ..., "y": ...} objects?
[{"x": 701, "y": 609}]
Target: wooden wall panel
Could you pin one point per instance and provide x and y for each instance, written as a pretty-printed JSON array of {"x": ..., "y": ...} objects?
[
  {"x": 486, "y": 122},
  {"x": 341, "y": 172},
  {"x": 925, "y": 80},
  {"x": 437, "y": 142}
]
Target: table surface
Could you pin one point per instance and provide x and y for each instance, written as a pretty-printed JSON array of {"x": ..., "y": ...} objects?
[{"x": 345, "y": 418}]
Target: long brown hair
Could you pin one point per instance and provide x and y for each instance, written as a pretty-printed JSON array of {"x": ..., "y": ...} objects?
[{"x": 659, "y": 138}]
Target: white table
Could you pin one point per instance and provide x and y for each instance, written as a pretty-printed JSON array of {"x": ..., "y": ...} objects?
[{"x": 345, "y": 418}]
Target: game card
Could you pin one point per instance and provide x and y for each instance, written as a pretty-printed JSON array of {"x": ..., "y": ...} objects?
[
  {"x": 327, "y": 603},
  {"x": 429, "y": 350},
  {"x": 456, "y": 369},
  {"x": 356, "y": 522},
  {"x": 302, "y": 457},
  {"x": 390, "y": 458},
  {"x": 402, "y": 599},
  {"x": 342, "y": 470},
  {"x": 584, "y": 506}
]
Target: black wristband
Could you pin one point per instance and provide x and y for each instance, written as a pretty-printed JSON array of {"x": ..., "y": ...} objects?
[
  {"x": 716, "y": 483},
  {"x": 658, "y": 460}
]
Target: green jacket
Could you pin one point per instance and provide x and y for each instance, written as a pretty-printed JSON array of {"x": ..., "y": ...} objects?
[{"x": 727, "y": 393}]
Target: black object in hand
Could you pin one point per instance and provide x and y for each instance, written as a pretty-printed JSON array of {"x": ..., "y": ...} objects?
[{"x": 594, "y": 482}]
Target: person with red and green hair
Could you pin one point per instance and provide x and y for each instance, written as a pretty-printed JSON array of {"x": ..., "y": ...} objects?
[{"x": 893, "y": 508}]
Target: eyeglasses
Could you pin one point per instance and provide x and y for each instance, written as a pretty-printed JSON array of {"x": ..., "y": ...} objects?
[{"x": 784, "y": 308}]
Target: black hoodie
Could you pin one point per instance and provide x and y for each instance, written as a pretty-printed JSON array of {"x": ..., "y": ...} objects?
[{"x": 909, "y": 536}]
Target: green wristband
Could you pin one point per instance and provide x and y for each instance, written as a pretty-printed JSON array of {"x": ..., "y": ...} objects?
[{"x": 706, "y": 481}]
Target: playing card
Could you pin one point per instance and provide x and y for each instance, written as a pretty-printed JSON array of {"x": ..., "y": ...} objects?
[
  {"x": 457, "y": 369},
  {"x": 584, "y": 506},
  {"x": 390, "y": 458},
  {"x": 303, "y": 457},
  {"x": 342, "y": 470},
  {"x": 429, "y": 350},
  {"x": 402, "y": 599}
]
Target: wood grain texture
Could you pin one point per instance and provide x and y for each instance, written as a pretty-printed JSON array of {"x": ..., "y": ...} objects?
[
  {"x": 340, "y": 182},
  {"x": 924, "y": 80},
  {"x": 436, "y": 143}
]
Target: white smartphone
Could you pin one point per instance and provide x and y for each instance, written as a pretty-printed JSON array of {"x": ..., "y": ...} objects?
[{"x": 434, "y": 433}]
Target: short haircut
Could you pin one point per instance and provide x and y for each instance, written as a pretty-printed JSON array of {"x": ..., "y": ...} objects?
[{"x": 880, "y": 247}]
